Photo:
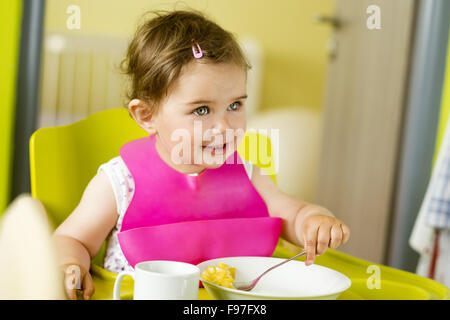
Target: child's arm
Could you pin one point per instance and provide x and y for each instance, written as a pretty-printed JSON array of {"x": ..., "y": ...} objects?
[
  {"x": 310, "y": 226},
  {"x": 80, "y": 236}
]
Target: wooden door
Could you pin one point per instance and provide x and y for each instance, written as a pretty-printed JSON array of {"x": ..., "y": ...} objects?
[{"x": 363, "y": 111}]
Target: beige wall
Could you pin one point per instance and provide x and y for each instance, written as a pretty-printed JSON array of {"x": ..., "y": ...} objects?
[{"x": 294, "y": 45}]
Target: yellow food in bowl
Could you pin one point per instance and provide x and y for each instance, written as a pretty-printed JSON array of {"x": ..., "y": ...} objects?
[{"x": 221, "y": 275}]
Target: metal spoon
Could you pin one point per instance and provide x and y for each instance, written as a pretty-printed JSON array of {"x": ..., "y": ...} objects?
[{"x": 249, "y": 285}]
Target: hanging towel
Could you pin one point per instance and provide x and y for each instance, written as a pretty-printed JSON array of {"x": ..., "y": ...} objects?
[
  {"x": 422, "y": 239},
  {"x": 431, "y": 231},
  {"x": 437, "y": 208}
]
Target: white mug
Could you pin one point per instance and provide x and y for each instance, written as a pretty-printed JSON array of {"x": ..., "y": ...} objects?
[{"x": 162, "y": 280}]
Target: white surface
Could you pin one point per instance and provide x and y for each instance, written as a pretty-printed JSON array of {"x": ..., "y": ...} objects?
[
  {"x": 254, "y": 53},
  {"x": 80, "y": 76},
  {"x": 292, "y": 280},
  {"x": 299, "y": 147}
]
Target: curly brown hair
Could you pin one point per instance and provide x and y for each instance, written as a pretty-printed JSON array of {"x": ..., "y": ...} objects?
[{"x": 162, "y": 46}]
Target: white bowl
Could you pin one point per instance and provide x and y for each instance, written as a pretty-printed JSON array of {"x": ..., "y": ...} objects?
[{"x": 293, "y": 280}]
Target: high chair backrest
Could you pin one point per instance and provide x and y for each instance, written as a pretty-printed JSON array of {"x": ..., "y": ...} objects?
[{"x": 64, "y": 159}]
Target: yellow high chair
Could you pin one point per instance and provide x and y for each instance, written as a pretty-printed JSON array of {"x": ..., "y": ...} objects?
[{"x": 64, "y": 159}]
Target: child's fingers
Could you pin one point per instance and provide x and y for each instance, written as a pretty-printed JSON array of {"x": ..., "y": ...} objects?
[
  {"x": 323, "y": 238},
  {"x": 345, "y": 233},
  {"x": 336, "y": 236},
  {"x": 71, "y": 293},
  {"x": 310, "y": 245},
  {"x": 88, "y": 286}
]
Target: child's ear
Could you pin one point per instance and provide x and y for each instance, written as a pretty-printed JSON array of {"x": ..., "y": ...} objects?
[{"x": 140, "y": 111}]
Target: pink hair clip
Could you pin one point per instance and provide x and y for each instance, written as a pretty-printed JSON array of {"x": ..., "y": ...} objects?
[{"x": 198, "y": 54}]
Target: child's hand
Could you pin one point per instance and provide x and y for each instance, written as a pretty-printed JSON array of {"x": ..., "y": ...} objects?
[
  {"x": 321, "y": 232},
  {"x": 76, "y": 278}
]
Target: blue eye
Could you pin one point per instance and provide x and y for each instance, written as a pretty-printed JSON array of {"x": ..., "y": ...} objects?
[
  {"x": 235, "y": 105},
  {"x": 201, "y": 111}
]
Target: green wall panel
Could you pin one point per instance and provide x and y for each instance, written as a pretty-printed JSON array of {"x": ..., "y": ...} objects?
[{"x": 10, "y": 21}]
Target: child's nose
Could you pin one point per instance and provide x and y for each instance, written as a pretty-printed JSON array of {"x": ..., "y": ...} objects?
[{"x": 221, "y": 126}]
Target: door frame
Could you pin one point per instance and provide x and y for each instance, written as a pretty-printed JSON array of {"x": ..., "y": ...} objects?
[{"x": 419, "y": 128}]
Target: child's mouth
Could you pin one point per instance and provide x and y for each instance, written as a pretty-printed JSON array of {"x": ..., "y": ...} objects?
[{"x": 216, "y": 149}]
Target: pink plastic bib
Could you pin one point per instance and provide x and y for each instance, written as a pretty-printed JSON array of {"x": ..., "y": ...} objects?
[{"x": 174, "y": 216}]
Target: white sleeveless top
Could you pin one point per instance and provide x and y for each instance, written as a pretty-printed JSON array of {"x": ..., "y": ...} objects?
[{"x": 123, "y": 187}]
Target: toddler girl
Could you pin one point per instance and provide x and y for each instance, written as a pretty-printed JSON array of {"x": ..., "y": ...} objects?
[{"x": 193, "y": 200}]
